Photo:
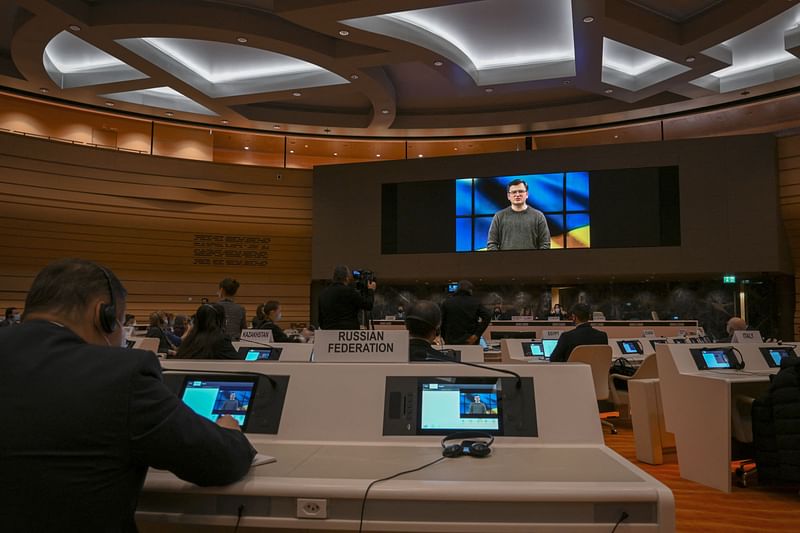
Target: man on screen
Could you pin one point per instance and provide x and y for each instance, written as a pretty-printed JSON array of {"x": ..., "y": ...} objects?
[
  {"x": 519, "y": 226},
  {"x": 477, "y": 407}
]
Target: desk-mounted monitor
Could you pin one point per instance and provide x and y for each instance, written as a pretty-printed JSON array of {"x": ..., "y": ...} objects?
[
  {"x": 653, "y": 342},
  {"x": 630, "y": 347},
  {"x": 549, "y": 345},
  {"x": 714, "y": 358},
  {"x": 532, "y": 349},
  {"x": 444, "y": 405},
  {"x": 215, "y": 396},
  {"x": 774, "y": 355},
  {"x": 264, "y": 353}
]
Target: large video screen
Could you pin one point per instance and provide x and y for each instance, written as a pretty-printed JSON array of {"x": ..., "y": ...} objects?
[{"x": 554, "y": 210}]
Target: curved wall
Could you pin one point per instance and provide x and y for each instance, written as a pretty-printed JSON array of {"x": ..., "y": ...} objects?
[{"x": 171, "y": 229}]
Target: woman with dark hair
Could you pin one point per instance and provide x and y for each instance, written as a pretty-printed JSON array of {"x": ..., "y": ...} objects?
[
  {"x": 206, "y": 338},
  {"x": 259, "y": 318},
  {"x": 272, "y": 314}
]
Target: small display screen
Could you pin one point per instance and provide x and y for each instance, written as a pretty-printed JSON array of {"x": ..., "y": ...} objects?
[
  {"x": 452, "y": 287},
  {"x": 548, "y": 345},
  {"x": 653, "y": 342},
  {"x": 249, "y": 353},
  {"x": 483, "y": 343},
  {"x": 713, "y": 358},
  {"x": 532, "y": 349},
  {"x": 630, "y": 347},
  {"x": 459, "y": 404},
  {"x": 774, "y": 356},
  {"x": 214, "y": 396}
]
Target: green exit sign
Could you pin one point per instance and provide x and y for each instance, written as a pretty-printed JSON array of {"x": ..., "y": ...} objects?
[{"x": 729, "y": 278}]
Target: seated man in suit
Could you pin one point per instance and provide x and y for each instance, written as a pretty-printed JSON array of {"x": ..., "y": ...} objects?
[
  {"x": 423, "y": 320},
  {"x": 583, "y": 333},
  {"x": 86, "y": 416}
]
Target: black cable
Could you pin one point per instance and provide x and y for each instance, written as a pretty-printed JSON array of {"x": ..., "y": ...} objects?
[
  {"x": 366, "y": 493},
  {"x": 624, "y": 516},
  {"x": 239, "y": 517}
]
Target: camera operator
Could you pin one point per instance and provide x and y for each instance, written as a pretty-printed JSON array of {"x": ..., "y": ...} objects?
[{"x": 341, "y": 302}]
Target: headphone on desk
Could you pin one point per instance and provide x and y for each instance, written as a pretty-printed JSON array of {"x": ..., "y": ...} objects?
[{"x": 473, "y": 448}]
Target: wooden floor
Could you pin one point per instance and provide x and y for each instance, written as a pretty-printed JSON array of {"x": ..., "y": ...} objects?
[{"x": 702, "y": 509}]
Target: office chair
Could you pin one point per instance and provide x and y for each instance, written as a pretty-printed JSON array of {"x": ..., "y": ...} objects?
[
  {"x": 619, "y": 397},
  {"x": 598, "y": 357}
]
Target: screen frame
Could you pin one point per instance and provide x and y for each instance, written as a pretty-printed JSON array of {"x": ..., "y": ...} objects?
[
  {"x": 639, "y": 347},
  {"x": 223, "y": 378},
  {"x": 765, "y": 353},
  {"x": 500, "y": 431},
  {"x": 700, "y": 362},
  {"x": 275, "y": 353}
]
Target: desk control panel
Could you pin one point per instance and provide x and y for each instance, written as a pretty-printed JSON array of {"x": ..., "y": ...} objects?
[
  {"x": 254, "y": 400},
  {"x": 444, "y": 405}
]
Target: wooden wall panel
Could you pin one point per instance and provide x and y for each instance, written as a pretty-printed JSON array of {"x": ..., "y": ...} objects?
[
  {"x": 789, "y": 193},
  {"x": 139, "y": 215}
]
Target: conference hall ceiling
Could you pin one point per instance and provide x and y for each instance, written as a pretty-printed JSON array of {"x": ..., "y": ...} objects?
[{"x": 414, "y": 68}]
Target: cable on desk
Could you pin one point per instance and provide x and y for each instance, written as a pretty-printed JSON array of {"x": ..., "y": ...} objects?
[
  {"x": 624, "y": 516},
  {"x": 239, "y": 517},
  {"x": 366, "y": 493}
]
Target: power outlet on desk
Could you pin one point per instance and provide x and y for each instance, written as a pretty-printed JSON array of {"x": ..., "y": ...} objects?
[{"x": 312, "y": 508}]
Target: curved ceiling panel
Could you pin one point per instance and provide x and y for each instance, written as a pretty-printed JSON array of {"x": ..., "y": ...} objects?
[
  {"x": 161, "y": 97},
  {"x": 221, "y": 69},
  {"x": 524, "y": 40},
  {"x": 72, "y": 62}
]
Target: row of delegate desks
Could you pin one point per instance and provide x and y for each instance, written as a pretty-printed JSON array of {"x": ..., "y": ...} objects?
[
  {"x": 343, "y": 425},
  {"x": 614, "y": 328}
]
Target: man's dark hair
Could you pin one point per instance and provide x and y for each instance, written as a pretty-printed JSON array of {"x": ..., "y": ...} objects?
[
  {"x": 423, "y": 318},
  {"x": 10, "y": 311},
  {"x": 341, "y": 273},
  {"x": 271, "y": 306},
  {"x": 68, "y": 286},
  {"x": 516, "y": 182},
  {"x": 465, "y": 286},
  {"x": 581, "y": 311},
  {"x": 229, "y": 286}
]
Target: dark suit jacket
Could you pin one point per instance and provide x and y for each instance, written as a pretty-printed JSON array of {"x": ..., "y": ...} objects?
[
  {"x": 83, "y": 423},
  {"x": 582, "y": 334},
  {"x": 339, "y": 305},
  {"x": 463, "y": 316}
]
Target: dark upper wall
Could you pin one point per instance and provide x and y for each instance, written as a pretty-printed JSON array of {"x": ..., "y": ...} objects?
[{"x": 729, "y": 214}]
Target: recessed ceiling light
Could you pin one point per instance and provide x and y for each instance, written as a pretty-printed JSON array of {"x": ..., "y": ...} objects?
[
  {"x": 384, "y": 111},
  {"x": 377, "y": 155},
  {"x": 224, "y": 121},
  {"x": 588, "y": 19},
  {"x": 690, "y": 59},
  {"x": 241, "y": 39},
  {"x": 335, "y": 153},
  {"x": 110, "y": 104},
  {"x": 616, "y": 136},
  {"x": 44, "y": 90},
  {"x": 246, "y": 147},
  {"x": 419, "y": 155},
  {"x": 344, "y": 33},
  {"x": 169, "y": 113},
  {"x": 297, "y": 93},
  {"x": 353, "y": 76},
  {"x": 609, "y": 91},
  {"x": 276, "y": 127},
  {"x": 438, "y": 63},
  {"x": 455, "y": 149},
  {"x": 489, "y": 90},
  {"x": 291, "y": 151},
  {"x": 305, "y": 146},
  {"x": 74, "y": 27}
]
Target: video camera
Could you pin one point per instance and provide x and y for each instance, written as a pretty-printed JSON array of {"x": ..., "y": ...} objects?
[{"x": 362, "y": 279}]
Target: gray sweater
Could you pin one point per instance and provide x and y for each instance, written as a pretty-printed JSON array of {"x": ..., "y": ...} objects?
[{"x": 518, "y": 230}]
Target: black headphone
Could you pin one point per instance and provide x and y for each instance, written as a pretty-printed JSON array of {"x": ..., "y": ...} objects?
[
  {"x": 473, "y": 448},
  {"x": 108, "y": 312}
]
